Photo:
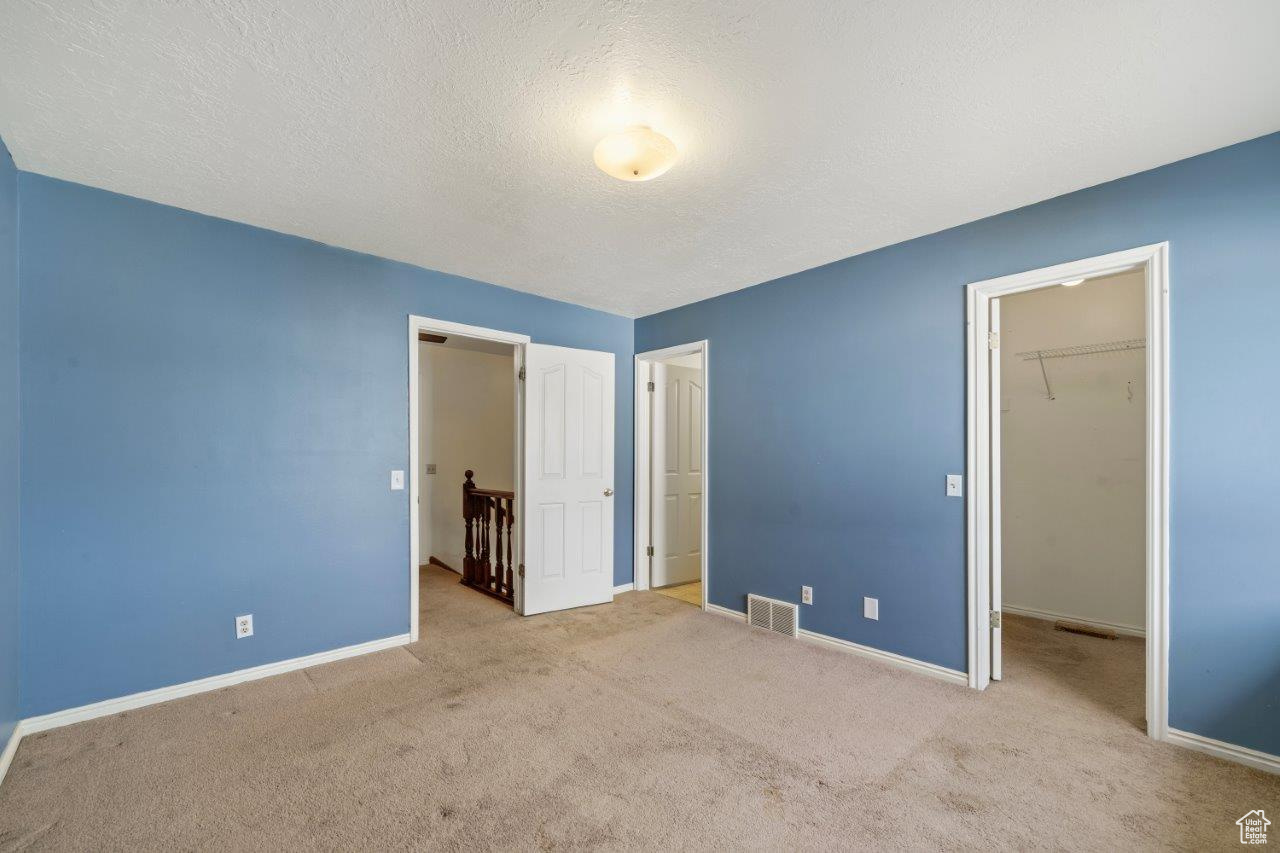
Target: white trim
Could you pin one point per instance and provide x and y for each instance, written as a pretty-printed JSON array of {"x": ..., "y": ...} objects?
[
  {"x": 625, "y": 587},
  {"x": 1228, "y": 751},
  {"x": 995, "y": 481},
  {"x": 641, "y": 476},
  {"x": 726, "y": 611},
  {"x": 973, "y": 594},
  {"x": 1154, "y": 260},
  {"x": 640, "y": 564},
  {"x": 1050, "y": 616},
  {"x": 203, "y": 685},
  {"x": 671, "y": 352},
  {"x": 954, "y": 676},
  {"x": 462, "y": 330},
  {"x": 428, "y": 324},
  {"x": 517, "y": 479},
  {"x": 10, "y": 749}
]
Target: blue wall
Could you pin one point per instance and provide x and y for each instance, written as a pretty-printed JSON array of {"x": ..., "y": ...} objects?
[
  {"x": 210, "y": 415},
  {"x": 209, "y": 412},
  {"x": 10, "y": 555},
  {"x": 837, "y": 405}
]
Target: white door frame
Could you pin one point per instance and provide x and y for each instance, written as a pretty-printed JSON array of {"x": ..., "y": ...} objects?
[
  {"x": 643, "y": 446},
  {"x": 1154, "y": 260},
  {"x": 444, "y": 327}
]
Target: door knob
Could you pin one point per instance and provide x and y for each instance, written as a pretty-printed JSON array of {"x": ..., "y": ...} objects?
[{"x": 608, "y": 493}]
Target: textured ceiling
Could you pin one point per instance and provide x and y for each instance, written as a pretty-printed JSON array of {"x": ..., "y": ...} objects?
[{"x": 458, "y": 135}]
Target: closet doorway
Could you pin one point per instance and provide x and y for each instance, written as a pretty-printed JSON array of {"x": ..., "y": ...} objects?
[{"x": 1068, "y": 462}]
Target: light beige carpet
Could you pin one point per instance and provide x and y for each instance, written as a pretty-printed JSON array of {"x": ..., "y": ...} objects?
[{"x": 645, "y": 724}]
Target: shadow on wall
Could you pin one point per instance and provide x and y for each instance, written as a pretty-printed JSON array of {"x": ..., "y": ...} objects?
[
  {"x": 1237, "y": 715},
  {"x": 466, "y": 421},
  {"x": 1073, "y": 451}
]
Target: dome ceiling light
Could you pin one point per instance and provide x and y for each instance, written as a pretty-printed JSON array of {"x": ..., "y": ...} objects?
[{"x": 636, "y": 154}]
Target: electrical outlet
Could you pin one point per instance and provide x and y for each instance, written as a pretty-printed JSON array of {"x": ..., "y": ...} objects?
[
  {"x": 806, "y": 595},
  {"x": 871, "y": 608},
  {"x": 397, "y": 481},
  {"x": 244, "y": 626},
  {"x": 431, "y": 467}
]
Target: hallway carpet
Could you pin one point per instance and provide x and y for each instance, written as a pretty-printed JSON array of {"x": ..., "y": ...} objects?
[{"x": 645, "y": 724}]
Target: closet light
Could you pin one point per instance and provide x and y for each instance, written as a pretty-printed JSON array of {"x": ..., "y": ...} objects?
[
  {"x": 636, "y": 154},
  {"x": 1073, "y": 282}
]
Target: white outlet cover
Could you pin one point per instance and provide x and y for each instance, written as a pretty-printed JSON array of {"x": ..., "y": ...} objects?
[
  {"x": 806, "y": 595},
  {"x": 244, "y": 626},
  {"x": 397, "y": 481},
  {"x": 871, "y": 608},
  {"x": 955, "y": 485}
]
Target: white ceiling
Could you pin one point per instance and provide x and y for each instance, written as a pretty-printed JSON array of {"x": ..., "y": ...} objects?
[{"x": 458, "y": 135}]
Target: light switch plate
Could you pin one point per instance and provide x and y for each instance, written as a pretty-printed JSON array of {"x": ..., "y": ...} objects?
[
  {"x": 955, "y": 485},
  {"x": 397, "y": 480},
  {"x": 871, "y": 608},
  {"x": 244, "y": 626}
]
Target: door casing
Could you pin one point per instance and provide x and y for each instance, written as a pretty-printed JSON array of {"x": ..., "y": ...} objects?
[{"x": 981, "y": 468}]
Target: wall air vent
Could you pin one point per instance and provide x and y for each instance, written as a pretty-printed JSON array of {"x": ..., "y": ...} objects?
[{"x": 781, "y": 617}]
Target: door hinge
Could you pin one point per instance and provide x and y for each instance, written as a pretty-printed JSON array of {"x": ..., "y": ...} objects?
[
  {"x": 520, "y": 571},
  {"x": 993, "y": 340},
  {"x": 652, "y": 387},
  {"x": 648, "y": 552},
  {"x": 995, "y": 618},
  {"x": 522, "y": 373}
]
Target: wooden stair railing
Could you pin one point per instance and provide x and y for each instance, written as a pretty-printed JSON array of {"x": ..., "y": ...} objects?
[{"x": 489, "y": 515}]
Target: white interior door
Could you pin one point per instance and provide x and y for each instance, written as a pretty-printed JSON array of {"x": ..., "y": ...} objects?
[
  {"x": 677, "y": 475},
  {"x": 996, "y": 629},
  {"x": 568, "y": 478}
]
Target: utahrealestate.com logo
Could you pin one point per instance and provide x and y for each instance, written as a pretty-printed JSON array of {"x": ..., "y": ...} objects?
[{"x": 1253, "y": 827}]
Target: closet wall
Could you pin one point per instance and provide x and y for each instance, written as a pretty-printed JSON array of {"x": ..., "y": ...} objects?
[{"x": 1074, "y": 465}]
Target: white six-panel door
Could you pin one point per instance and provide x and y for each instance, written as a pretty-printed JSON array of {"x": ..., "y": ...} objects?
[
  {"x": 568, "y": 478},
  {"x": 677, "y": 475}
]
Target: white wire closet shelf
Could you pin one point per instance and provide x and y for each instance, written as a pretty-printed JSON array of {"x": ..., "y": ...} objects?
[{"x": 1084, "y": 349}]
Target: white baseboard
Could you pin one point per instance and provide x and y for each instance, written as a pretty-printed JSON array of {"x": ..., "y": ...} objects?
[
  {"x": 621, "y": 588},
  {"x": 202, "y": 685},
  {"x": 1220, "y": 749},
  {"x": 1229, "y": 751},
  {"x": 1050, "y": 616},
  {"x": 10, "y": 748},
  {"x": 725, "y": 611},
  {"x": 900, "y": 661}
]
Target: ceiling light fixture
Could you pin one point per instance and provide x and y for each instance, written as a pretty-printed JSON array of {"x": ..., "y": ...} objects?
[
  {"x": 1073, "y": 282},
  {"x": 636, "y": 154}
]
